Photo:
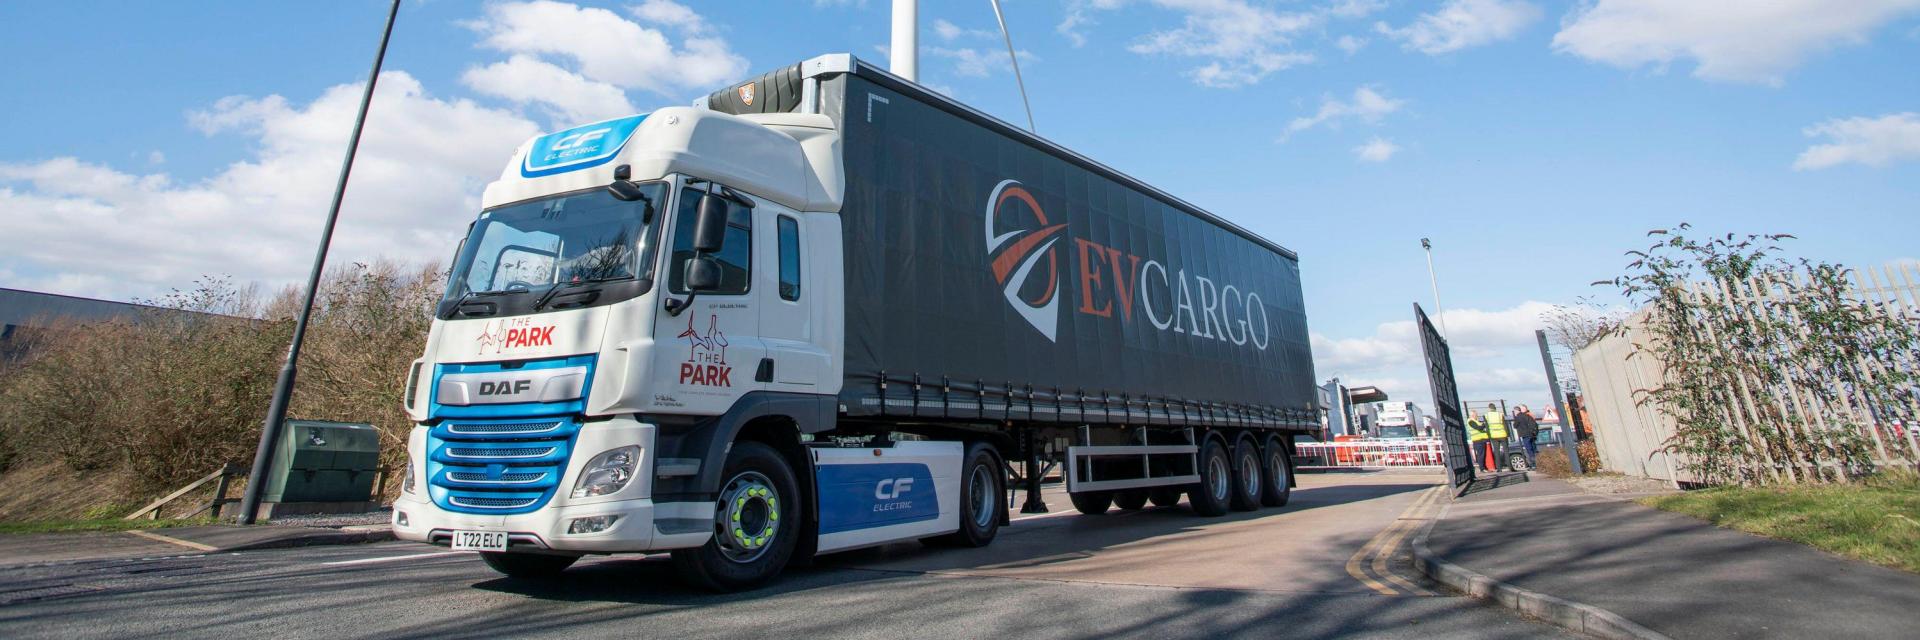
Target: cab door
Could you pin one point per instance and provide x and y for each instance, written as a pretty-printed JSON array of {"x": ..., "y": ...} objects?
[
  {"x": 786, "y": 295},
  {"x": 706, "y": 354}
]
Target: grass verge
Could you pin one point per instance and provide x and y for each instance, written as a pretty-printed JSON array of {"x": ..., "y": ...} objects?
[
  {"x": 1877, "y": 520},
  {"x": 98, "y": 524}
]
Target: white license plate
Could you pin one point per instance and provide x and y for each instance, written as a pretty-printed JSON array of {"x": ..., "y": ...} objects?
[{"x": 479, "y": 541}]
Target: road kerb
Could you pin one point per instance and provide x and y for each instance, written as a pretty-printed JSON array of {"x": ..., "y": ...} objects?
[{"x": 1584, "y": 618}]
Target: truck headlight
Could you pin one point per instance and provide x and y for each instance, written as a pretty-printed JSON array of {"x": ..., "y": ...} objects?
[
  {"x": 607, "y": 472},
  {"x": 407, "y": 484}
]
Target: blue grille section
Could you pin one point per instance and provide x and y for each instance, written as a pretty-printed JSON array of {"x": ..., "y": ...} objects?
[
  {"x": 474, "y": 469},
  {"x": 501, "y": 459}
]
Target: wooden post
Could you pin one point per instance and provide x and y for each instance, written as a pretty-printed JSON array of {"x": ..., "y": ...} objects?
[{"x": 220, "y": 490}]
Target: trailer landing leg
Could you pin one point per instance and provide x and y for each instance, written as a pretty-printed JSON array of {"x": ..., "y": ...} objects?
[{"x": 1034, "y": 473}]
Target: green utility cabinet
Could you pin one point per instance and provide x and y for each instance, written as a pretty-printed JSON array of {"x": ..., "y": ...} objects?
[{"x": 320, "y": 461}]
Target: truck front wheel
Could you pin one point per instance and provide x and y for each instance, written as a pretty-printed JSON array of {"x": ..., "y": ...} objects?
[{"x": 755, "y": 524}]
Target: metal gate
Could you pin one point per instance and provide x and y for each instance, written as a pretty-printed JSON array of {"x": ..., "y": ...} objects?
[{"x": 1446, "y": 401}]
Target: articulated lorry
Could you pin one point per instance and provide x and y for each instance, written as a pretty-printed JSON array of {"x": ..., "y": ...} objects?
[{"x": 827, "y": 309}]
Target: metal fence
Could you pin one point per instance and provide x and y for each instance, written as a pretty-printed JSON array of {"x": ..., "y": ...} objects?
[
  {"x": 1371, "y": 454},
  {"x": 1805, "y": 407}
]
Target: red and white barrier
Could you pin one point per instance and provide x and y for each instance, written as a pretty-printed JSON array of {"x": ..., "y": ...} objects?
[{"x": 1357, "y": 454}]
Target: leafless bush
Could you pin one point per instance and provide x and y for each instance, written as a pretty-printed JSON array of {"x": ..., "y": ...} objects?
[{"x": 174, "y": 392}]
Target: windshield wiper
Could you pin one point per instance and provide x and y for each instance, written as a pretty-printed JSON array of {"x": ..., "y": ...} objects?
[{"x": 583, "y": 284}]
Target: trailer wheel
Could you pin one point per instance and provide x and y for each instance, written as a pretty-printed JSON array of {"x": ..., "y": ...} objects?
[
  {"x": 1163, "y": 497},
  {"x": 1249, "y": 480},
  {"x": 1092, "y": 503},
  {"x": 982, "y": 503},
  {"x": 1279, "y": 472},
  {"x": 1130, "y": 499},
  {"x": 756, "y": 522},
  {"x": 1212, "y": 495},
  {"x": 528, "y": 566}
]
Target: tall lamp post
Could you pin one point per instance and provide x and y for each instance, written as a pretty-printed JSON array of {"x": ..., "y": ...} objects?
[
  {"x": 283, "y": 388},
  {"x": 1439, "y": 312}
]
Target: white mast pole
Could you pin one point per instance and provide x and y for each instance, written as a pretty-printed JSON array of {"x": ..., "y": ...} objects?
[{"x": 904, "y": 53}]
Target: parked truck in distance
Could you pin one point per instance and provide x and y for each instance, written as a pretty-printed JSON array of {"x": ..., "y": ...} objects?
[{"x": 826, "y": 309}]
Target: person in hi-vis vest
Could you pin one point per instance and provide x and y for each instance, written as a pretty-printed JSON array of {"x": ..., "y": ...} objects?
[
  {"x": 1476, "y": 434},
  {"x": 1496, "y": 436}
]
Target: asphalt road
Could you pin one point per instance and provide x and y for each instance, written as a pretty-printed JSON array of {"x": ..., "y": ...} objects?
[{"x": 1330, "y": 564}]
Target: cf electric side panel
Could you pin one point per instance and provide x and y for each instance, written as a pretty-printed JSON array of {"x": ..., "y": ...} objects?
[
  {"x": 991, "y": 275},
  {"x": 874, "y": 496}
]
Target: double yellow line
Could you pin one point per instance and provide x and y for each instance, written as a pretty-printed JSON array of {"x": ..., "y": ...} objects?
[{"x": 1378, "y": 551}]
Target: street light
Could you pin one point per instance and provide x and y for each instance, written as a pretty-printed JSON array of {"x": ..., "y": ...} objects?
[
  {"x": 1439, "y": 313},
  {"x": 283, "y": 388}
]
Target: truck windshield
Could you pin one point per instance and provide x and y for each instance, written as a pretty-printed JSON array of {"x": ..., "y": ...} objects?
[
  {"x": 537, "y": 245},
  {"x": 1396, "y": 432}
]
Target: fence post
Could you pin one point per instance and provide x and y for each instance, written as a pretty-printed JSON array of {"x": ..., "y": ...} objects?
[
  {"x": 1567, "y": 441},
  {"x": 220, "y": 490}
]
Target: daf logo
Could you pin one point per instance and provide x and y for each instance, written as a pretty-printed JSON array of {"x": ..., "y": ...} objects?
[
  {"x": 891, "y": 488},
  {"x": 505, "y": 387}
]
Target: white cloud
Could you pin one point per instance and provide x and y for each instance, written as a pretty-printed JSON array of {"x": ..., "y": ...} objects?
[
  {"x": 156, "y": 157},
  {"x": 101, "y": 231},
  {"x": 1376, "y": 150},
  {"x": 1752, "y": 42},
  {"x": 612, "y": 49},
  {"x": 1472, "y": 333},
  {"x": 1462, "y": 24},
  {"x": 568, "y": 97},
  {"x": 1355, "y": 8},
  {"x": 978, "y": 63},
  {"x": 1494, "y": 354},
  {"x": 1079, "y": 14},
  {"x": 949, "y": 32},
  {"x": 1875, "y": 142},
  {"x": 1367, "y": 105},
  {"x": 1243, "y": 43},
  {"x": 670, "y": 13},
  {"x": 1350, "y": 44}
]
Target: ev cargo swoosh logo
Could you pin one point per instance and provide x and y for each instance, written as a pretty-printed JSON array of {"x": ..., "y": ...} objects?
[
  {"x": 1111, "y": 283},
  {"x": 1016, "y": 254}
]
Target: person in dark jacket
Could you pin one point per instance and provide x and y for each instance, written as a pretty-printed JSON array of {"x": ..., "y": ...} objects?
[{"x": 1527, "y": 428}]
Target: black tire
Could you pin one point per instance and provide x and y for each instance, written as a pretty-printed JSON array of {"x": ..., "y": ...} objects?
[
  {"x": 1211, "y": 496},
  {"x": 1130, "y": 499},
  {"x": 1249, "y": 480},
  {"x": 731, "y": 561},
  {"x": 1092, "y": 503},
  {"x": 1517, "y": 462},
  {"x": 529, "y": 566},
  {"x": 1163, "y": 497},
  {"x": 1278, "y": 466},
  {"x": 982, "y": 500}
]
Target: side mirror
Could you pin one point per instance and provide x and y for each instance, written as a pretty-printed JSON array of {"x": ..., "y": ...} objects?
[
  {"x": 626, "y": 190},
  {"x": 710, "y": 227},
  {"x": 703, "y": 274}
]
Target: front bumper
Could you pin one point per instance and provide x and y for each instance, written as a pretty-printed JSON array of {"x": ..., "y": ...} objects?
[{"x": 636, "y": 528}]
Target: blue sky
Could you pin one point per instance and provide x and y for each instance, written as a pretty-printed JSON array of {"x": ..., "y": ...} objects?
[{"x": 1532, "y": 140}]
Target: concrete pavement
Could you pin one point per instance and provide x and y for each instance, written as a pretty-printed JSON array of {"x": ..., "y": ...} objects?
[
  {"x": 1154, "y": 573},
  {"x": 1671, "y": 573}
]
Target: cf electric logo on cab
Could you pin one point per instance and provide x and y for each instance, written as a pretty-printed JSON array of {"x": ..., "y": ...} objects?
[
  {"x": 891, "y": 488},
  {"x": 1015, "y": 254}
]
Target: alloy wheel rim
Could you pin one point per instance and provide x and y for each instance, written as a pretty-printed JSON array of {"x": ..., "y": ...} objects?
[{"x": 747, "y": 518}]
